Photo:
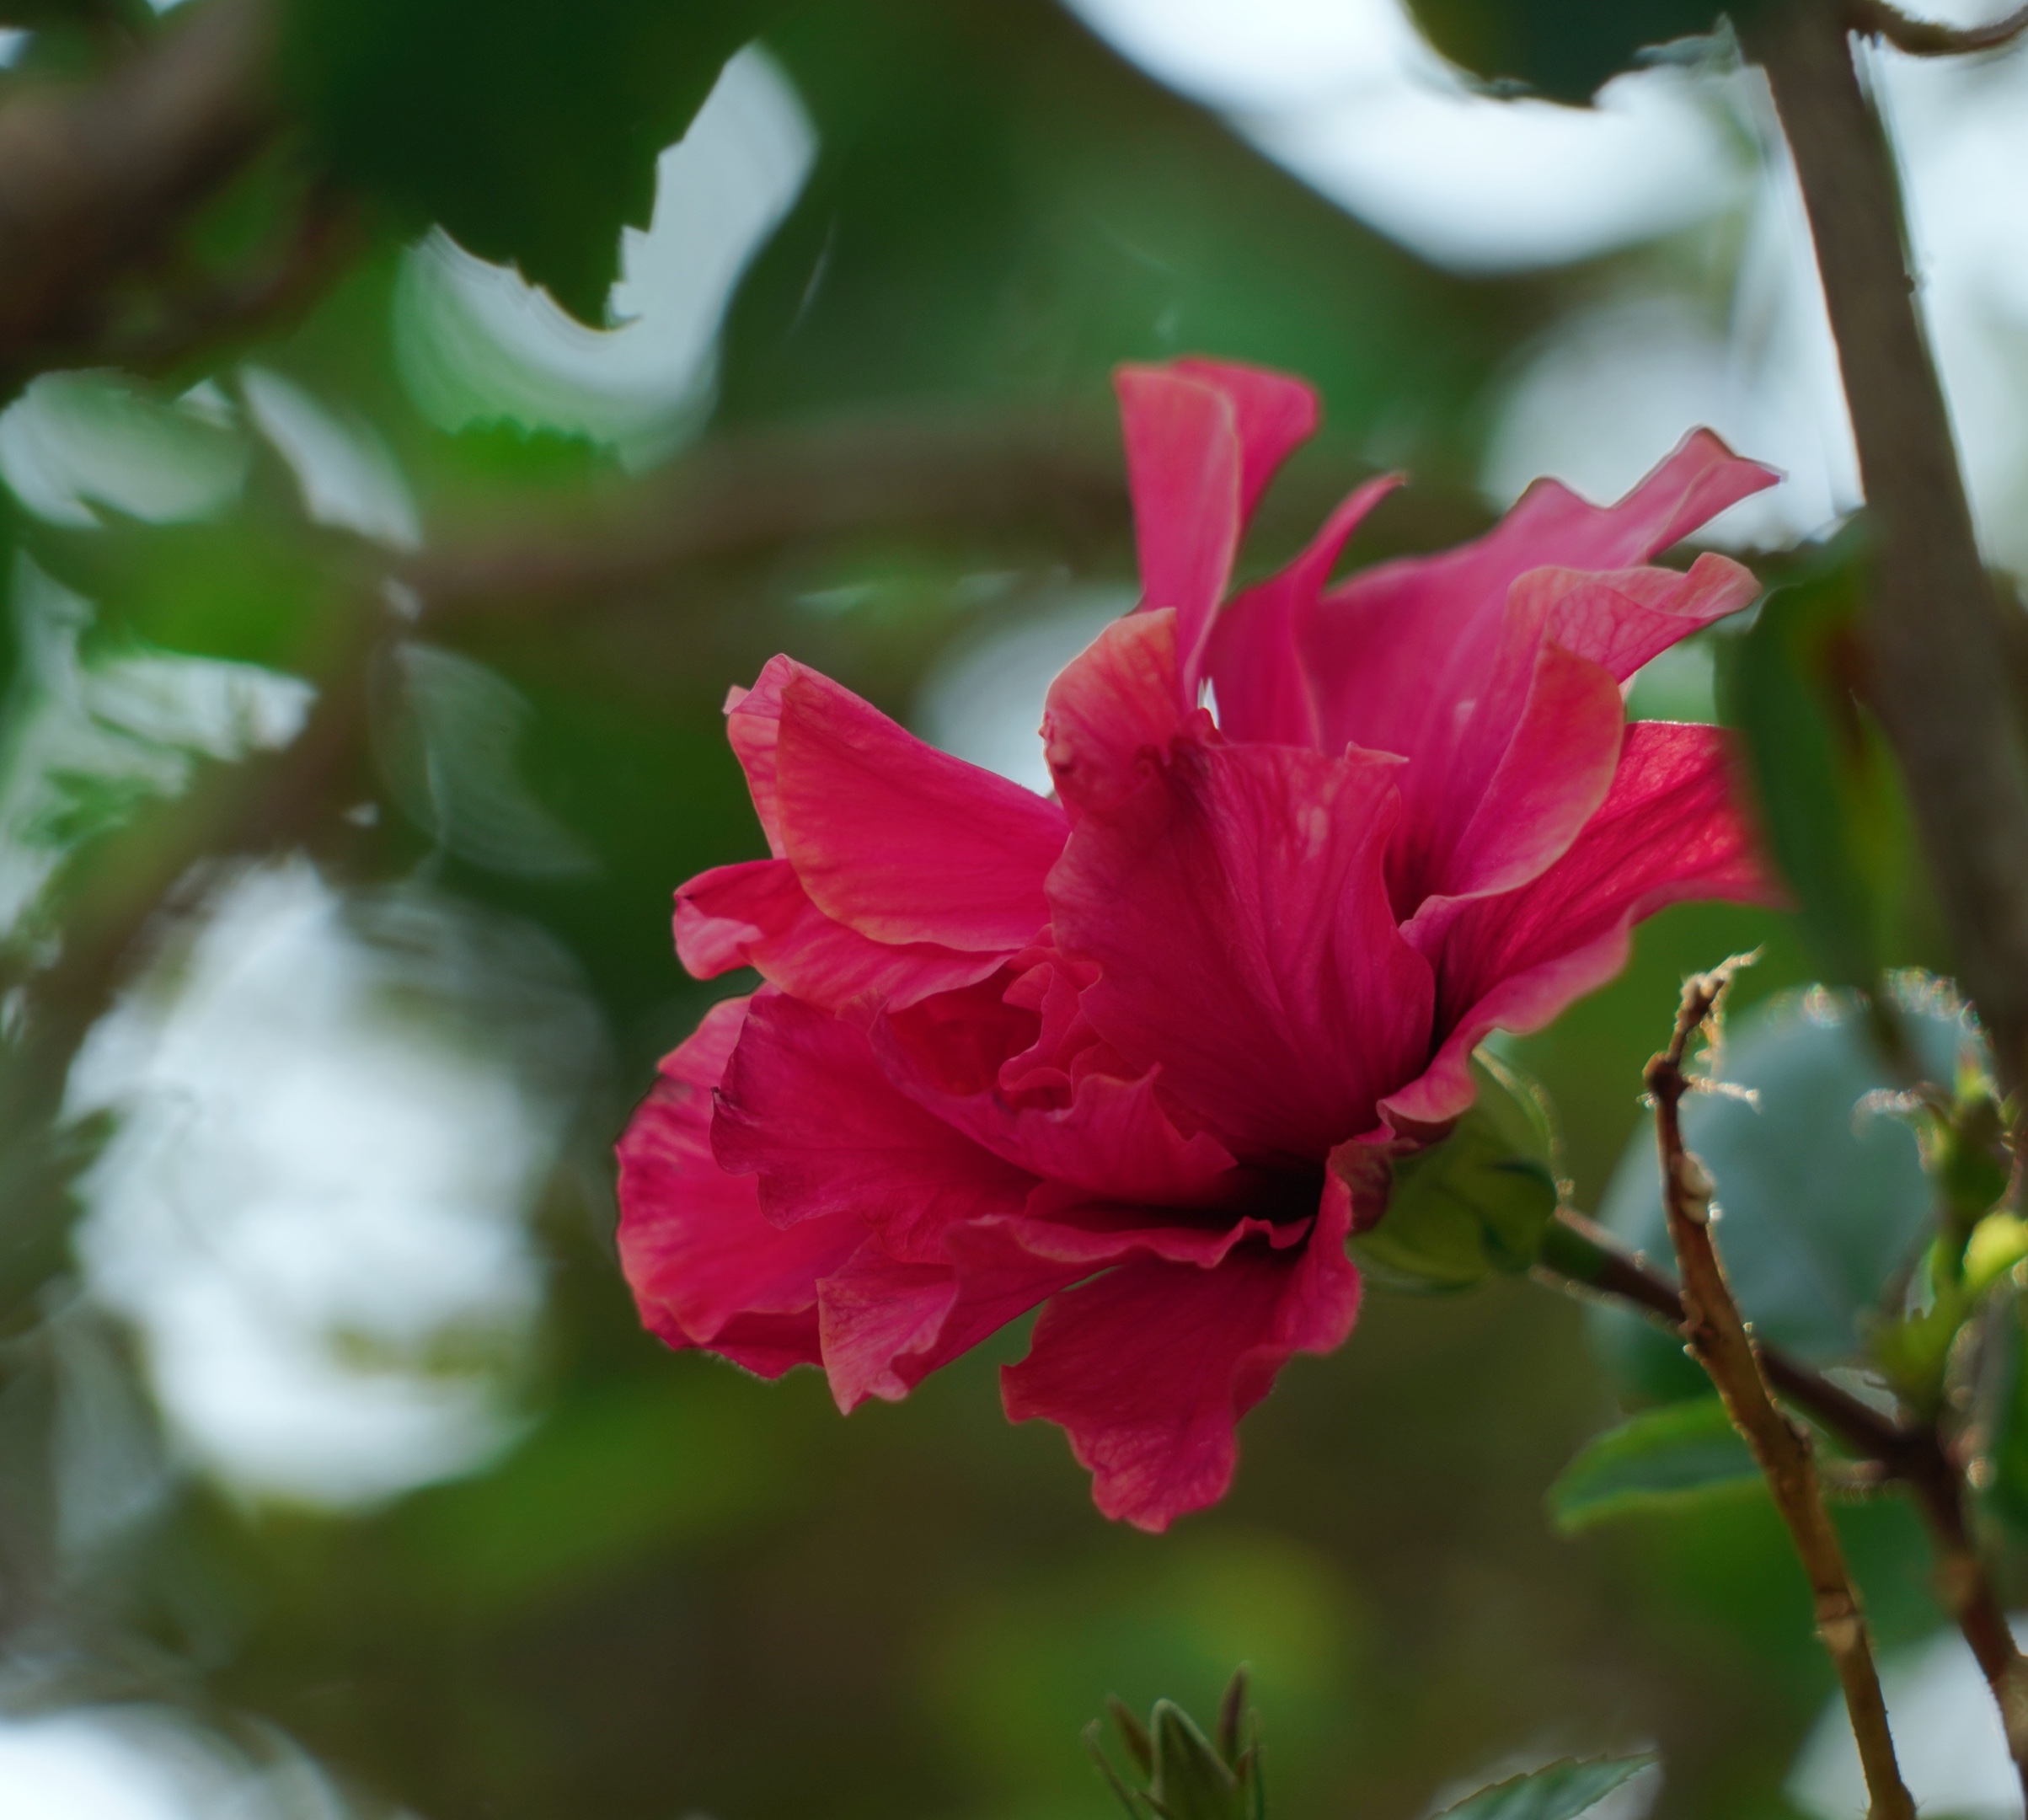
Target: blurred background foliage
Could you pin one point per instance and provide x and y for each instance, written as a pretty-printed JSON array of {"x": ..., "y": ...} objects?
[{"x": 457, "y": 401}]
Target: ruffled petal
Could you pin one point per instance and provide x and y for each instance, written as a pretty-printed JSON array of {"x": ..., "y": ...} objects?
[
  {"x": 1533, "y": 763},
  {"x": 898, "y": 840},
  {"x": 805, "y": 1107},
  {"x": 758, "y": 914},
  {"x": 1184, "y": 469},
  {"x": 1622, "y": 618},
  {"x": 706, "y": 1268},
  {"x": 1235, "y": 907},
  {"x": 1113, "y": 1141},
  {"x": 1272, "y": 414},
  {"x": 1670, "y": 829},
  {"x": 1255, "y": 658},
  {"x": 1392, "y": 651},
  {"x": 886, "y": 1325},
  {"x": 1149, "y": 1367},
  {"x": 1114, "y": 711}
]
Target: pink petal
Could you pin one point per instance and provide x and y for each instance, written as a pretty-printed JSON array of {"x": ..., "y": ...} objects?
[
  {"x": 1053, "y": 988},
  {"x": 1183, "y": 468},
  {"x": 1533, "y": 763},
  {"x": 1114, "y": 711},
  {"x": 1671, "y": 828},
  {"x": 1113, "y": 1141},
  {"x": 1392, "y": 652},
  {"x": 1274, "y": 416},
  {"x": 900, "y": 841},
  {"x": 804, "y": 1106},
  {"x": 706, "y": 1268},
  {"x": 1254, "y": 657},
  {"x": 886, "y": 1325},
  {"x": 756, "y": 914},
  {"x": 1150, "y": 1367},
  {"x": 753, "y": 718},
  {"x": 1235, "y": 907},
  {"x": 1622, "y": 618}
]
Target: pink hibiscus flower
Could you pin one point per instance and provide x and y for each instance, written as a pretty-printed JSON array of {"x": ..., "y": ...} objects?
[{"x": 1139, "y": 1053}]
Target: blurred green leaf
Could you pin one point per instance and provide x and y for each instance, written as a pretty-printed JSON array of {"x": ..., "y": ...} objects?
[
  {"x": 1188, "y": 1776},
  {"x": 1663, "y": 1458},
  {"x": 1190, "y": 1781},
  {"x": 1565, "y": 50},
  {"x": 1823, "y": 1201},
  {"x": 1558, "y": 1791},
  {"x": 1830, "y": 797},
  {"x": 528, "y": 129},
  {"x": 1474, "y": 1205}
]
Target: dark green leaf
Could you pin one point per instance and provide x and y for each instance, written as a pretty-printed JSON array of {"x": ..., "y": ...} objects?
[
  {"x": 1558, "y": 1791},
  {"x": 529, "y": 130},
  {"x": 1565, "y": 50},
  {"x": 1474, "y": 1205},
  {"x": 1830, "y": 797},
  {"x": 1663, "y": 1458}
]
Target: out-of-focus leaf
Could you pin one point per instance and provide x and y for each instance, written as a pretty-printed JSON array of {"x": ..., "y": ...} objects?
[
  {"x": 1663, "y": 1458},
  {"x": 1823, "y": 1200},
  {"x": 1190, "y": 1781},
  {"x": 1189, "y": 1777},
  {"x": 448, "y": 748},
  {"x": 1474, "y": 1205},
  {"x": 76, "y": 446},
  {"x": 91, "y": 735},
  {"x": 528, "y": 129},
  {"x": 1565, "y": 50},
  {"x": 1830, "y": 797},
  {"x": 1558, "y": 1791}
]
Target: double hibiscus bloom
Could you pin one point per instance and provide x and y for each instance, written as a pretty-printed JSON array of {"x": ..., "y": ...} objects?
[{"x": 1139, "y": 1053}]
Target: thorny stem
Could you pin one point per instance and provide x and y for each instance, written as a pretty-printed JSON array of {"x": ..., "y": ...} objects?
[{"x": 1717, "y": 1337}]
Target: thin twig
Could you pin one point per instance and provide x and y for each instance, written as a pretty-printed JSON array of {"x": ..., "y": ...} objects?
[
  {"x": 1875, "y": 18},
  {"x": 1717, "y": 1336},
  {"x": 1591, "y": 1262}
]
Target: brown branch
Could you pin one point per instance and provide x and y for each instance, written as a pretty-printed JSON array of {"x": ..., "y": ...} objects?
[
  {"x": 1938, "y": 675},
  {"x": 1716, "y": 1336},
  {"x": 935, "y": 467},
  {"x": 758, "y": 490},
  {"x": 1875, "y": 18},
  {"x": 95, "y": 179},
  {"x": 190, "y": 318}
]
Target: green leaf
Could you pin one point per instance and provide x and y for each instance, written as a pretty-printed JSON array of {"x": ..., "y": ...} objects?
[
  {"x": 1474, "y": 1205},
  {"x": 1565, "y": 50},
  {"x": 1662, "y": 1459},
  {"x": 529, "y": 129},
  {"x": 1830, "y": 797},
  {"x": 1558, "y": 1791},
  {"x": 1823, "y": 1203},
  {"x": 1191, "y": 1781}
]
